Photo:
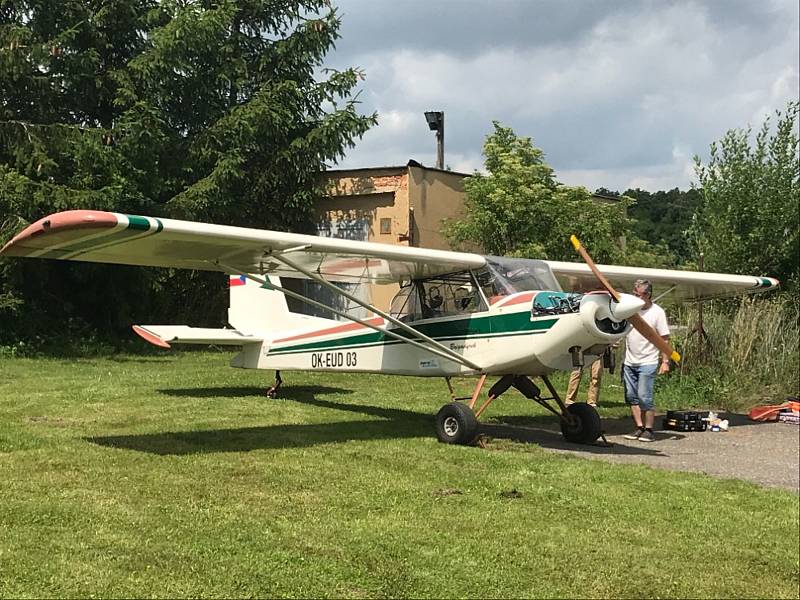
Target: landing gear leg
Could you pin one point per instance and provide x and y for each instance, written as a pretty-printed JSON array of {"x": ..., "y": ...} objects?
[
  {"x": 450, "y": 387},
  {"x": 273, "y": 391},
  {"x": 500, "y": 386},
  {"x": 580, "y": 422}
]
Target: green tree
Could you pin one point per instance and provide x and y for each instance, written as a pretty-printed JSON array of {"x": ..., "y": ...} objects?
[
  {"x": 662, "y": 218},
  {"x": 215, "y": 111},
  {"x": 747, "y": 221},
  {"x": 518, "y": 208}
]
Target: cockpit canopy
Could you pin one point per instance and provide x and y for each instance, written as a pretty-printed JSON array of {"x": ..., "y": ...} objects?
[{"x": 471, "y": 291}]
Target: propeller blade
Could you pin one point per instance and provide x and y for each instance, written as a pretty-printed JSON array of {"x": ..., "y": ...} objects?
[
  {"x": 650, "y": 334},
  {"x": 588, "y": 260}
]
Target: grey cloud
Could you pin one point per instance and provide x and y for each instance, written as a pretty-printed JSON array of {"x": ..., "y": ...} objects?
[
  {"x": 606, "y": 89},
  {"x": 465, "y": 27}
]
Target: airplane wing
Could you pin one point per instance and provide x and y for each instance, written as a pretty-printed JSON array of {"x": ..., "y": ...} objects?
[
  {"x": 106, "y": 237},
  {"x": 678, "y": 285}
]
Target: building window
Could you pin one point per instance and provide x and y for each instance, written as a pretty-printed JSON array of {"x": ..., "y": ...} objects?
[{"x": 386, "y": 225}]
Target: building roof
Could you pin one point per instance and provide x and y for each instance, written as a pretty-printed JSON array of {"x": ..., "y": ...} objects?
[{"x": 411, "y": 163}]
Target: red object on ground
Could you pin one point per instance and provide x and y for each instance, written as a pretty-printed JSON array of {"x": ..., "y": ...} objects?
[{"x": 771, "y": 412}]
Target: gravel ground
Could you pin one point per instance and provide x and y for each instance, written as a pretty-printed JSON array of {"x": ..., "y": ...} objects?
[{"x": 765, "y": 453}]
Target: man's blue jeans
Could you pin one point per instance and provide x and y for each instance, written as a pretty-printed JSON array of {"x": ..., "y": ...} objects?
[{"x": 639, "y": 381}]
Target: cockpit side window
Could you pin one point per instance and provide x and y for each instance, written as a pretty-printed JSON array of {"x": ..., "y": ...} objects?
[
  {"x": 442, "y": 296},
  {"x": 406, "y": 305}
]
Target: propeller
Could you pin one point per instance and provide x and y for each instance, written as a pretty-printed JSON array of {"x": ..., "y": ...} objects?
[{"x": 639, "y": 324}]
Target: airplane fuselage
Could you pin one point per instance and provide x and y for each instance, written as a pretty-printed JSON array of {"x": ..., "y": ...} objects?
[{"x": 507, "y": 338}]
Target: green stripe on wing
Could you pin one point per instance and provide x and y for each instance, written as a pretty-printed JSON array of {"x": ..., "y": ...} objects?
[{"x": 138, "y": 227}]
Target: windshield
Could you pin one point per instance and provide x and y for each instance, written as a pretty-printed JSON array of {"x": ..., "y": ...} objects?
[{"x": 504, "y": 276}]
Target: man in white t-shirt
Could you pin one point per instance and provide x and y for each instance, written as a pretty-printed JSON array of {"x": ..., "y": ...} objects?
[{"x": 642, "y": 361}]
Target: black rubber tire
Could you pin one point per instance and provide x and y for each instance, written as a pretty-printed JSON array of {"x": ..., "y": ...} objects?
[
  {"x": 456, "y": 424},
  {"x": 587, "y": 426}
]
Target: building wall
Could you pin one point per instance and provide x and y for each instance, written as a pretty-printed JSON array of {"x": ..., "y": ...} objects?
[
  {"x": 369, "y": 196},
  {"x": 393, "y": 205},
  {"x": 434, "y": 196}
]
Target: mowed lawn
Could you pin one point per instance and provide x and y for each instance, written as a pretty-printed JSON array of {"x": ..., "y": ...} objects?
[{"x": 142, "y": 476}]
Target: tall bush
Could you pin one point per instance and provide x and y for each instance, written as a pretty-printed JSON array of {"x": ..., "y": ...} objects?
[{"x": 751, "y": 354}]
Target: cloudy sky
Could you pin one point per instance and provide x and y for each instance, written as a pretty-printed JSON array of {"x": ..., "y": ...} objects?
[{"x": 618, "y": 93}]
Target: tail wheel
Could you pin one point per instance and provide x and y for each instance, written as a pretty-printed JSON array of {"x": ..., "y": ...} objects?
[
  {"x": 585, "y": 427},
  {"x": 456, "y": 424}
]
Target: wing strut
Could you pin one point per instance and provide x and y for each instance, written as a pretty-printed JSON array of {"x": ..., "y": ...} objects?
[
  {"x": 433, "y": 343},
  {"x": 662, "y": 294},
  {"x": 449, "y": 354}
]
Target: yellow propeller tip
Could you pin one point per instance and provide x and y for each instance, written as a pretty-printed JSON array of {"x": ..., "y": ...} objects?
[
  {"x": 575, "y": 242},
  {"x": 675, "y": 356}
]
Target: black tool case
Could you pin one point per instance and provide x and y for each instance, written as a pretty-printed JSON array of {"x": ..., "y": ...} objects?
[{"x": 685, "y": 420}]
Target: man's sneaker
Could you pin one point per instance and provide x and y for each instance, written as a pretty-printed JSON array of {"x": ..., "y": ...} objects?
[
  {"x": 647, "y": 436},
  {"x": 635, "y": 435}
]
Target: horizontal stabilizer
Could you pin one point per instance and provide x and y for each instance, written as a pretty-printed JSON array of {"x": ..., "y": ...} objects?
[{"x": 164, "y": 335}]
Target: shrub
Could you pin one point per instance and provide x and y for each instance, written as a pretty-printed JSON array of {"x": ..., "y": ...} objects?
[{"x": 751, "y": 354}]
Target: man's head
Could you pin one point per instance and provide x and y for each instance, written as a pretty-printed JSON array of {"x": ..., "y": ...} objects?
[{"x": 642, "y": 288}]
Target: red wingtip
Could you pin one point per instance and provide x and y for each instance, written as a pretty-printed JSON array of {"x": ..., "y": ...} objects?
[
  {"x": 58, "y": 222},
  {"x": 150, "y": 337}
]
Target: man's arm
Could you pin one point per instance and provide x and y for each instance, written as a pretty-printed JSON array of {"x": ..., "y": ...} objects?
[{"x": 664, "y": 367}]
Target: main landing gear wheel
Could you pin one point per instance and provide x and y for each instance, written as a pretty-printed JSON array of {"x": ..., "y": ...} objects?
[
  {"x": 585, "y": 428},
  {"x": 456, "y": 424}
]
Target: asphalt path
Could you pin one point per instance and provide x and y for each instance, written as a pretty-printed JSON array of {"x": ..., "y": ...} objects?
[{"x": 765, "y": 453}]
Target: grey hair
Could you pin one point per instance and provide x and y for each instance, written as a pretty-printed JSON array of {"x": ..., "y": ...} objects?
[{"x": 644, "y": 285}]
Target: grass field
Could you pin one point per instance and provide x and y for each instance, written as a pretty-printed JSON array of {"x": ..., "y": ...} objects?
[{"x": 174, "y": 476}]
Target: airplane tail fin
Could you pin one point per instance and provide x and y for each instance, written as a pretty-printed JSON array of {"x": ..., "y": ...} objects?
[{"x": 257, "y": 308}]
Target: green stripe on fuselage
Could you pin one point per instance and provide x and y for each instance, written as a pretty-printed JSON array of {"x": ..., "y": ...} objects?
[
  {"x": 476, "y": 327},
  {"x": 351, "y": 342}
]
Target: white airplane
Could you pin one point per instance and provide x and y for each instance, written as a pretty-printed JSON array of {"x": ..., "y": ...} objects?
[{"x": 456, "y": 314}]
